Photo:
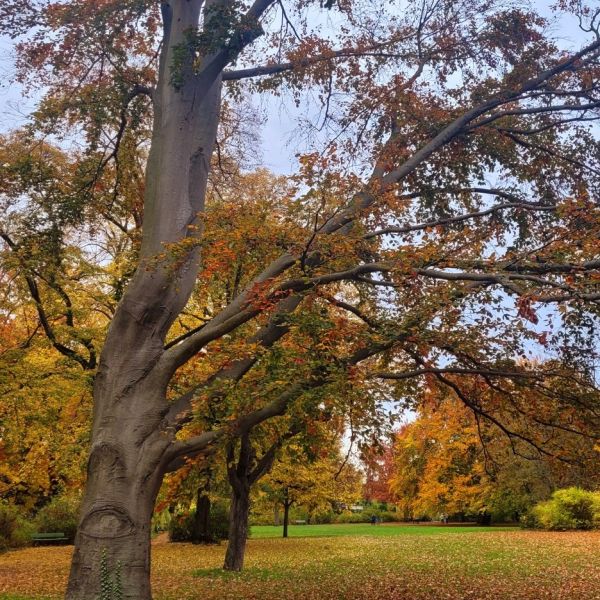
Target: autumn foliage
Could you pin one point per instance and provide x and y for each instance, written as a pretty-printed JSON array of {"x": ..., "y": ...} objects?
[{"x": 449, "y": 462}]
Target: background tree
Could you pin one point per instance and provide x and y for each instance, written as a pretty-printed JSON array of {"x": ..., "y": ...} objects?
[
  {"x": 320, "y": 485},
  {"x": 378, "y": 464},
  {"x": 40, "y": 394},
  {"x": 450, "y": 462}
]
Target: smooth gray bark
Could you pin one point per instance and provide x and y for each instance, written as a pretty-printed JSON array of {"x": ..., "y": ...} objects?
[{"x": 129, "y": 439}]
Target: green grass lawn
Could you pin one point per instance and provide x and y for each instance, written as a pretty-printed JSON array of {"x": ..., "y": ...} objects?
[
  {"x": 350, "y": 562},
  {"x": 382, "y": 530}
]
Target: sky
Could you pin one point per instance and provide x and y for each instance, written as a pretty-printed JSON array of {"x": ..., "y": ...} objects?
[
  {"x": 277, "y": 152},
  {"x": 13, "y": 108},
  {"x": 280, "y": 134}
]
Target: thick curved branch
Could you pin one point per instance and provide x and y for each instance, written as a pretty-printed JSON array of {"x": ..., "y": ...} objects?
[
  {"x": 234, "y": 314},
  {"x": 542, "y": 268},
  {"x": 248, "y": 30},
  {"x": 506, "y": 280},
  {"x": 180, "y": 410},
  {"x": 276, "y": 69},
  {"x": 381, "y": 180},
  {"x": 534, "y": 110}
]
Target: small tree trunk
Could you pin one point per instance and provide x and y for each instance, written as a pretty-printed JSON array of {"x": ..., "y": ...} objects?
[
  {"x": 276, "y": 517},
  {"x": 242, "y": 476},
  {"x": 238, "y": 528},
  {"x": 239, "y": 476},
  {"x": 201, "y": 533},
  {"x": 286, "y": 517}
]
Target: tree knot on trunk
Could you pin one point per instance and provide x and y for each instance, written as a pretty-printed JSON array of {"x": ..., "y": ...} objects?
[{"x": 108, "y": 522}]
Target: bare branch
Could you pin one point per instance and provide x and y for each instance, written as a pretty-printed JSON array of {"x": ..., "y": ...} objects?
[
  {"x": 461, "y": 218},
  {"x": 454, "y": 371}
]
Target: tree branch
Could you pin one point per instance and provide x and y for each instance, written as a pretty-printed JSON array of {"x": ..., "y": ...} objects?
[
  {"x": 238, "y": 312},
  {"x": 34, "y": 292},
  {"x": 454, "y": 371},
  {"x": 461, "y": 218}
]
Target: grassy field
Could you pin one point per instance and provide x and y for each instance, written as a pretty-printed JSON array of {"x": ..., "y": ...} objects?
[
  {"x": 351, "y": 562},
  {"x": 353, "y": 529}
]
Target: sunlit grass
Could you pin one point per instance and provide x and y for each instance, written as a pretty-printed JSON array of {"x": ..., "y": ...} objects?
[{"x": 381, "y": 530}]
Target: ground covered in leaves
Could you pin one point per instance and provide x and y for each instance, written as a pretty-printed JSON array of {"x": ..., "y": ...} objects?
[{"x": 354, "y": 562}]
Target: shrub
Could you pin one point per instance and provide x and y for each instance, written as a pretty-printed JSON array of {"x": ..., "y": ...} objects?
[
  {"x": 390, "y": 516},
  {"x": 219, "y": 520},
  {"x": 350, "y": 517},
  {"x": 15, "y": 530},
  {"x": 383, "y": 516},
  {"x": 321, "y": 518},
  {"x": 528, "y": 520},
  {"x": 571, "y": 508},
  {"x": 181, "y": 527},
  {"x": 58, "y": 516}
]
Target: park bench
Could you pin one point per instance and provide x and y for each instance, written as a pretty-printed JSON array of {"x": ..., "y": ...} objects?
[
  {"x": 299, "y": 522},
  {"x": 49, "y": 538}
]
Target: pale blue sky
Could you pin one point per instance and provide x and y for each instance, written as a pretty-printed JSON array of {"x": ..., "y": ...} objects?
[
  {"x": 281, "y": 137},
  {"x": 13, "y": 108}
]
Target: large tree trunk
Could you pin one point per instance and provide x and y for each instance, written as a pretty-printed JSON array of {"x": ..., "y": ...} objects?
[
  {"x": 116, "y": 515},
  {"x": 129, "y": 437},
  {"x": 238, "y": 529}
]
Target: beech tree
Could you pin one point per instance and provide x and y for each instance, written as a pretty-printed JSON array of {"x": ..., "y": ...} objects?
[
  {"x": 303, "y": 450},
  {"x": 453, "y": 195}
]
